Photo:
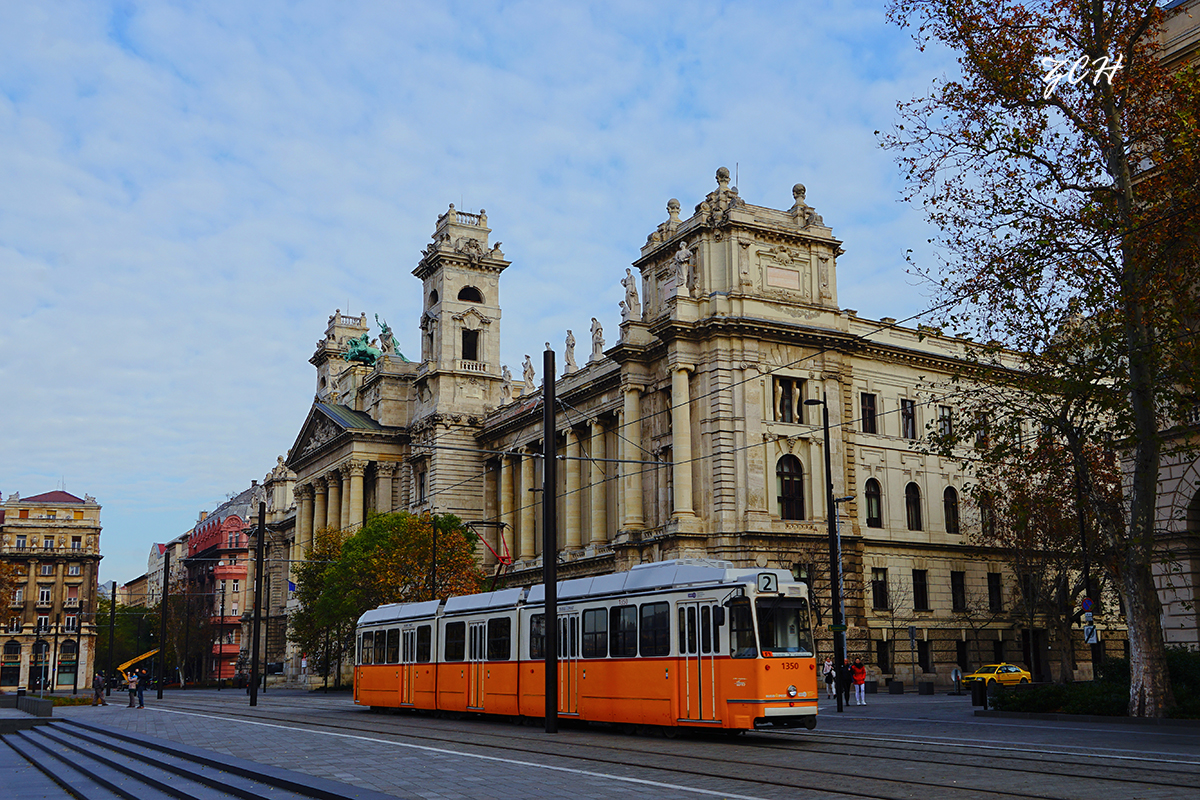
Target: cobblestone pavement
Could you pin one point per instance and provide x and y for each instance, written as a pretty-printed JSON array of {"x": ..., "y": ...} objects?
[{"x": 395, "y": 754}]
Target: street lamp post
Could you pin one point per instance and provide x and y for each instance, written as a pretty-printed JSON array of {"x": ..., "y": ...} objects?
[{"x": 835, "y": 563}]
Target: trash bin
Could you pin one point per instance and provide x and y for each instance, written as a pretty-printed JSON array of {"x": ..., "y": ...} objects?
[
  {"x": 896, "y": 687},
  {"x": 979, "y": 693},
  {"x": 925, "y": 687},
  {"x": 871, "y": 687}
]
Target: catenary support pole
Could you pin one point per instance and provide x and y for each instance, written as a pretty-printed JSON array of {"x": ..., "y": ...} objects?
[
  {"x": 112, "y": 630},
  {"x": 258, "y": 584},
  {"x": 835, "y": 566},
  {"x": 550, "y": 538},
  {"x": 162, "y": 622}
]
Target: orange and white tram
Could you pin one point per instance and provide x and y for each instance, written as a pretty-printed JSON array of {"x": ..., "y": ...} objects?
[{"x": 674, "y": 643}]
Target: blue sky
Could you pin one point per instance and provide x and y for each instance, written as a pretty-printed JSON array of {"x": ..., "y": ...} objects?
[{"x": 188, "y": 191}]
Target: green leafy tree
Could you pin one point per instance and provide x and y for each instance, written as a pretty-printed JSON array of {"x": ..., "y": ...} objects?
[
  {"x": 1070, "y": 221},
  {"x": 390, "y": 559}
]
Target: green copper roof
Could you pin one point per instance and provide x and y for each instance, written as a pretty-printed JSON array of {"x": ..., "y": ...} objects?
[{"x": 349, "y": 418}]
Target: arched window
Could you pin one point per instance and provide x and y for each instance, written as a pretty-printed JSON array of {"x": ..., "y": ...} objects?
[
  {"x": 1193, "y": 515},
  {"x": 790, "y": 476},
  {"x": 950, "y": 506},
  {"x": 433, "y": 298},
  {"x": 12, "y": 648},
  {"x": 874, "y": 504},
  {"x": 470, "y": 294},
  {"x": 912, "y": 506}
]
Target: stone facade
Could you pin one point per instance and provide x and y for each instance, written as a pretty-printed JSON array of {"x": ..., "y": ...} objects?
[
  {"x": 697, "y": 434},
  {"x": 53, "y": 541}
]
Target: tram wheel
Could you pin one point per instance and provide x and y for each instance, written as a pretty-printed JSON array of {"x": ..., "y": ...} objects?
[{"x": 670, "y": 733}]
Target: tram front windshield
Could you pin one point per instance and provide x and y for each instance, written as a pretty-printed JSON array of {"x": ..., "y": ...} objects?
[{"x": 783, "y": 627}]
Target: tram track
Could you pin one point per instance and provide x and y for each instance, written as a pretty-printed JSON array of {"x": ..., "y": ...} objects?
[{"x": 719, "y": 761}]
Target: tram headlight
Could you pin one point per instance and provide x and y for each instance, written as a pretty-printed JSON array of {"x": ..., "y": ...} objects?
[{"x": 792, "y": 690}]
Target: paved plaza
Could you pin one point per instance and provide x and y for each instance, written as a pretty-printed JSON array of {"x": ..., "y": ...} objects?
[{"x": 423, "y": 757}]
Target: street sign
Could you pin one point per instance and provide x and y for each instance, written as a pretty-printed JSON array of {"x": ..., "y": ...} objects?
[
  {"x": 1087, "y": 604},
  {"x": 1091, "y": 635},
  {"x": 912, "y": 633},
  {"x": 837, "y": 628},
  {"x": 1087, "y": 617}
]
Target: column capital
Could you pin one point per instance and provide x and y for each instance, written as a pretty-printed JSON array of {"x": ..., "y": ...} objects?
[
  {"x": 354, "y": 468},
  {"x": 388, "y": 468},
  {"x": 303, "y": 490}
]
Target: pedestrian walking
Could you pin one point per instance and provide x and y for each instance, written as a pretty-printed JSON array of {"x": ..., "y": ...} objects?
[
  {"x": 133, "y": 687},
  {"x": 143, "y": 679},
  {"x": 827, "y": 673},
  {"x": 858, "y": 674},
  {"x": 98, "y": 691},
  {"x": 844, "y": 681}
]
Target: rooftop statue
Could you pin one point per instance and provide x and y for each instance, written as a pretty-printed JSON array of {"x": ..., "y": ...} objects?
[
  {"x": 387, "y": 340},
  {"x": 358, "y": 348}
]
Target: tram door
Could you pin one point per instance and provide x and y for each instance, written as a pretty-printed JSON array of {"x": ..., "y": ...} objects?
[
  {"x": 476, "y": 663},
  {"x": 568, "y": 663},
  {"x": 698, "y": 647},
  {"x": 408, "y": 665}
]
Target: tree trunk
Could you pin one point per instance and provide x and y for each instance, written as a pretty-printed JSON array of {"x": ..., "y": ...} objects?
[{"x": 1150, "y": 692}]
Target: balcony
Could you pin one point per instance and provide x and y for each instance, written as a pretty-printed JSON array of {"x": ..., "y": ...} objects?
[{"x": 473, "y": 366}]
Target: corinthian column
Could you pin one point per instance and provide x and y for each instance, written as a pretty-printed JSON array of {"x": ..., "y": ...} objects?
[
  {"x": 333, "y": 517},
  {"x": 355, "y": 509},
  {"x": 599, "y": 488},
  {"x": 304, "y": 520},
  {"x": 573, "y": 539},
  {"x": 681, "y": 441},
  {"x": 528, "y": 531},
  {"x": 506, "y": 504},
  {"x": 384, "y": 472},
  {"x": 344, "y": 517},
  {"x": 632, "y": 439},
  {"x": 320, "y": 518}
]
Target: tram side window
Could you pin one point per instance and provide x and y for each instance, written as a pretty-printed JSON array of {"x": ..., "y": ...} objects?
[
  {"x": 456, "y": 641},
  {"x": 537, "y": 636},
  {"x": 424, "y": 643},
  {"x": 655, "y": 625},
  {"x": 595, "y": 633},
  {"x": 706, "y": 631},
  {"x": 366, "y": 650},
  {"x": 741, "y": 630},
  {"x": 499, "y": 639},
  {"x": 407, "y": 647},
  {"x": 393, "y": 646},
  {"x": 623, "y": 631},
  {"x": 687, "y": 630},
  {"x": 568, "y": 636}
]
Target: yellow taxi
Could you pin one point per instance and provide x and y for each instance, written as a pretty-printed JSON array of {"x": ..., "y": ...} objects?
[{"x": 1003, "y": 674}]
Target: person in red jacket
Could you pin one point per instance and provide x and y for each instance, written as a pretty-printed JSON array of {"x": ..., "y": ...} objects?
[{"x": 858, "y": 674}]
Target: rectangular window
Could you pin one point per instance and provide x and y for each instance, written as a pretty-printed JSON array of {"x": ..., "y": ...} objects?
[
  {"x": 234, "y": 610},
  {"x": 595, "y": 633},
  {"x": 537, "y": 636},
  {"x": 236, "y": 586},
  {"x": 789, "y": 404},
  {"x": 867, "y": 413},
  {"x": 998, "y": 651},
  {"x": 421, "y": 487},
  {"x": 499, "y": 639},
  {"x": 48, "y": 543},
  {"x": 920, "y": 578},
  {"x": 945, "y": 421},
  {"x": 908, "y": 419},
  {"x": 623, "y": 632},
  {"x": 21, "y": 541},
  {"x": 879, "y": 589},
  {"x": 958, "y": 590},
  {"x": 923, "y": 656},
  {"x": 24, "y": 513},
  {"x": 43, "y": 622},
  {"x": 366, "y": 648},
  {"x": 883, "y": 655},
  {"x": 424, "y": 644},
  {"x": 18, "y": 596},
  {"x": 655, "y": 625},
  {"x": 995, "y": 596},
  {"x": 47, "y": 569},
  {"x": 78, "y": 515},
  {"x": 960, "y": 655},
  {"x": 456, "y": 641},
  {"x": 470, "y": 345},
  {"x": 742, "y": 643},
  {"x": 72, "y": 622},
  {"x": 14, "y": 625},
  {"x": 44, "y": 595},
  {"x": 76, "y": 542},
  {"x": 393, "y": 646},
  {"x": 72, "y": 569}
]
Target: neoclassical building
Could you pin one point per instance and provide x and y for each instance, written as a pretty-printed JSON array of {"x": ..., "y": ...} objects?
[{"x": 696, "y": 433}]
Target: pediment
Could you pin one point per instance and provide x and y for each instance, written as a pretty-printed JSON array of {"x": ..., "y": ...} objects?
[
  {"x": 472, "y": 318},
  {"x": 319, "y": 430}
]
